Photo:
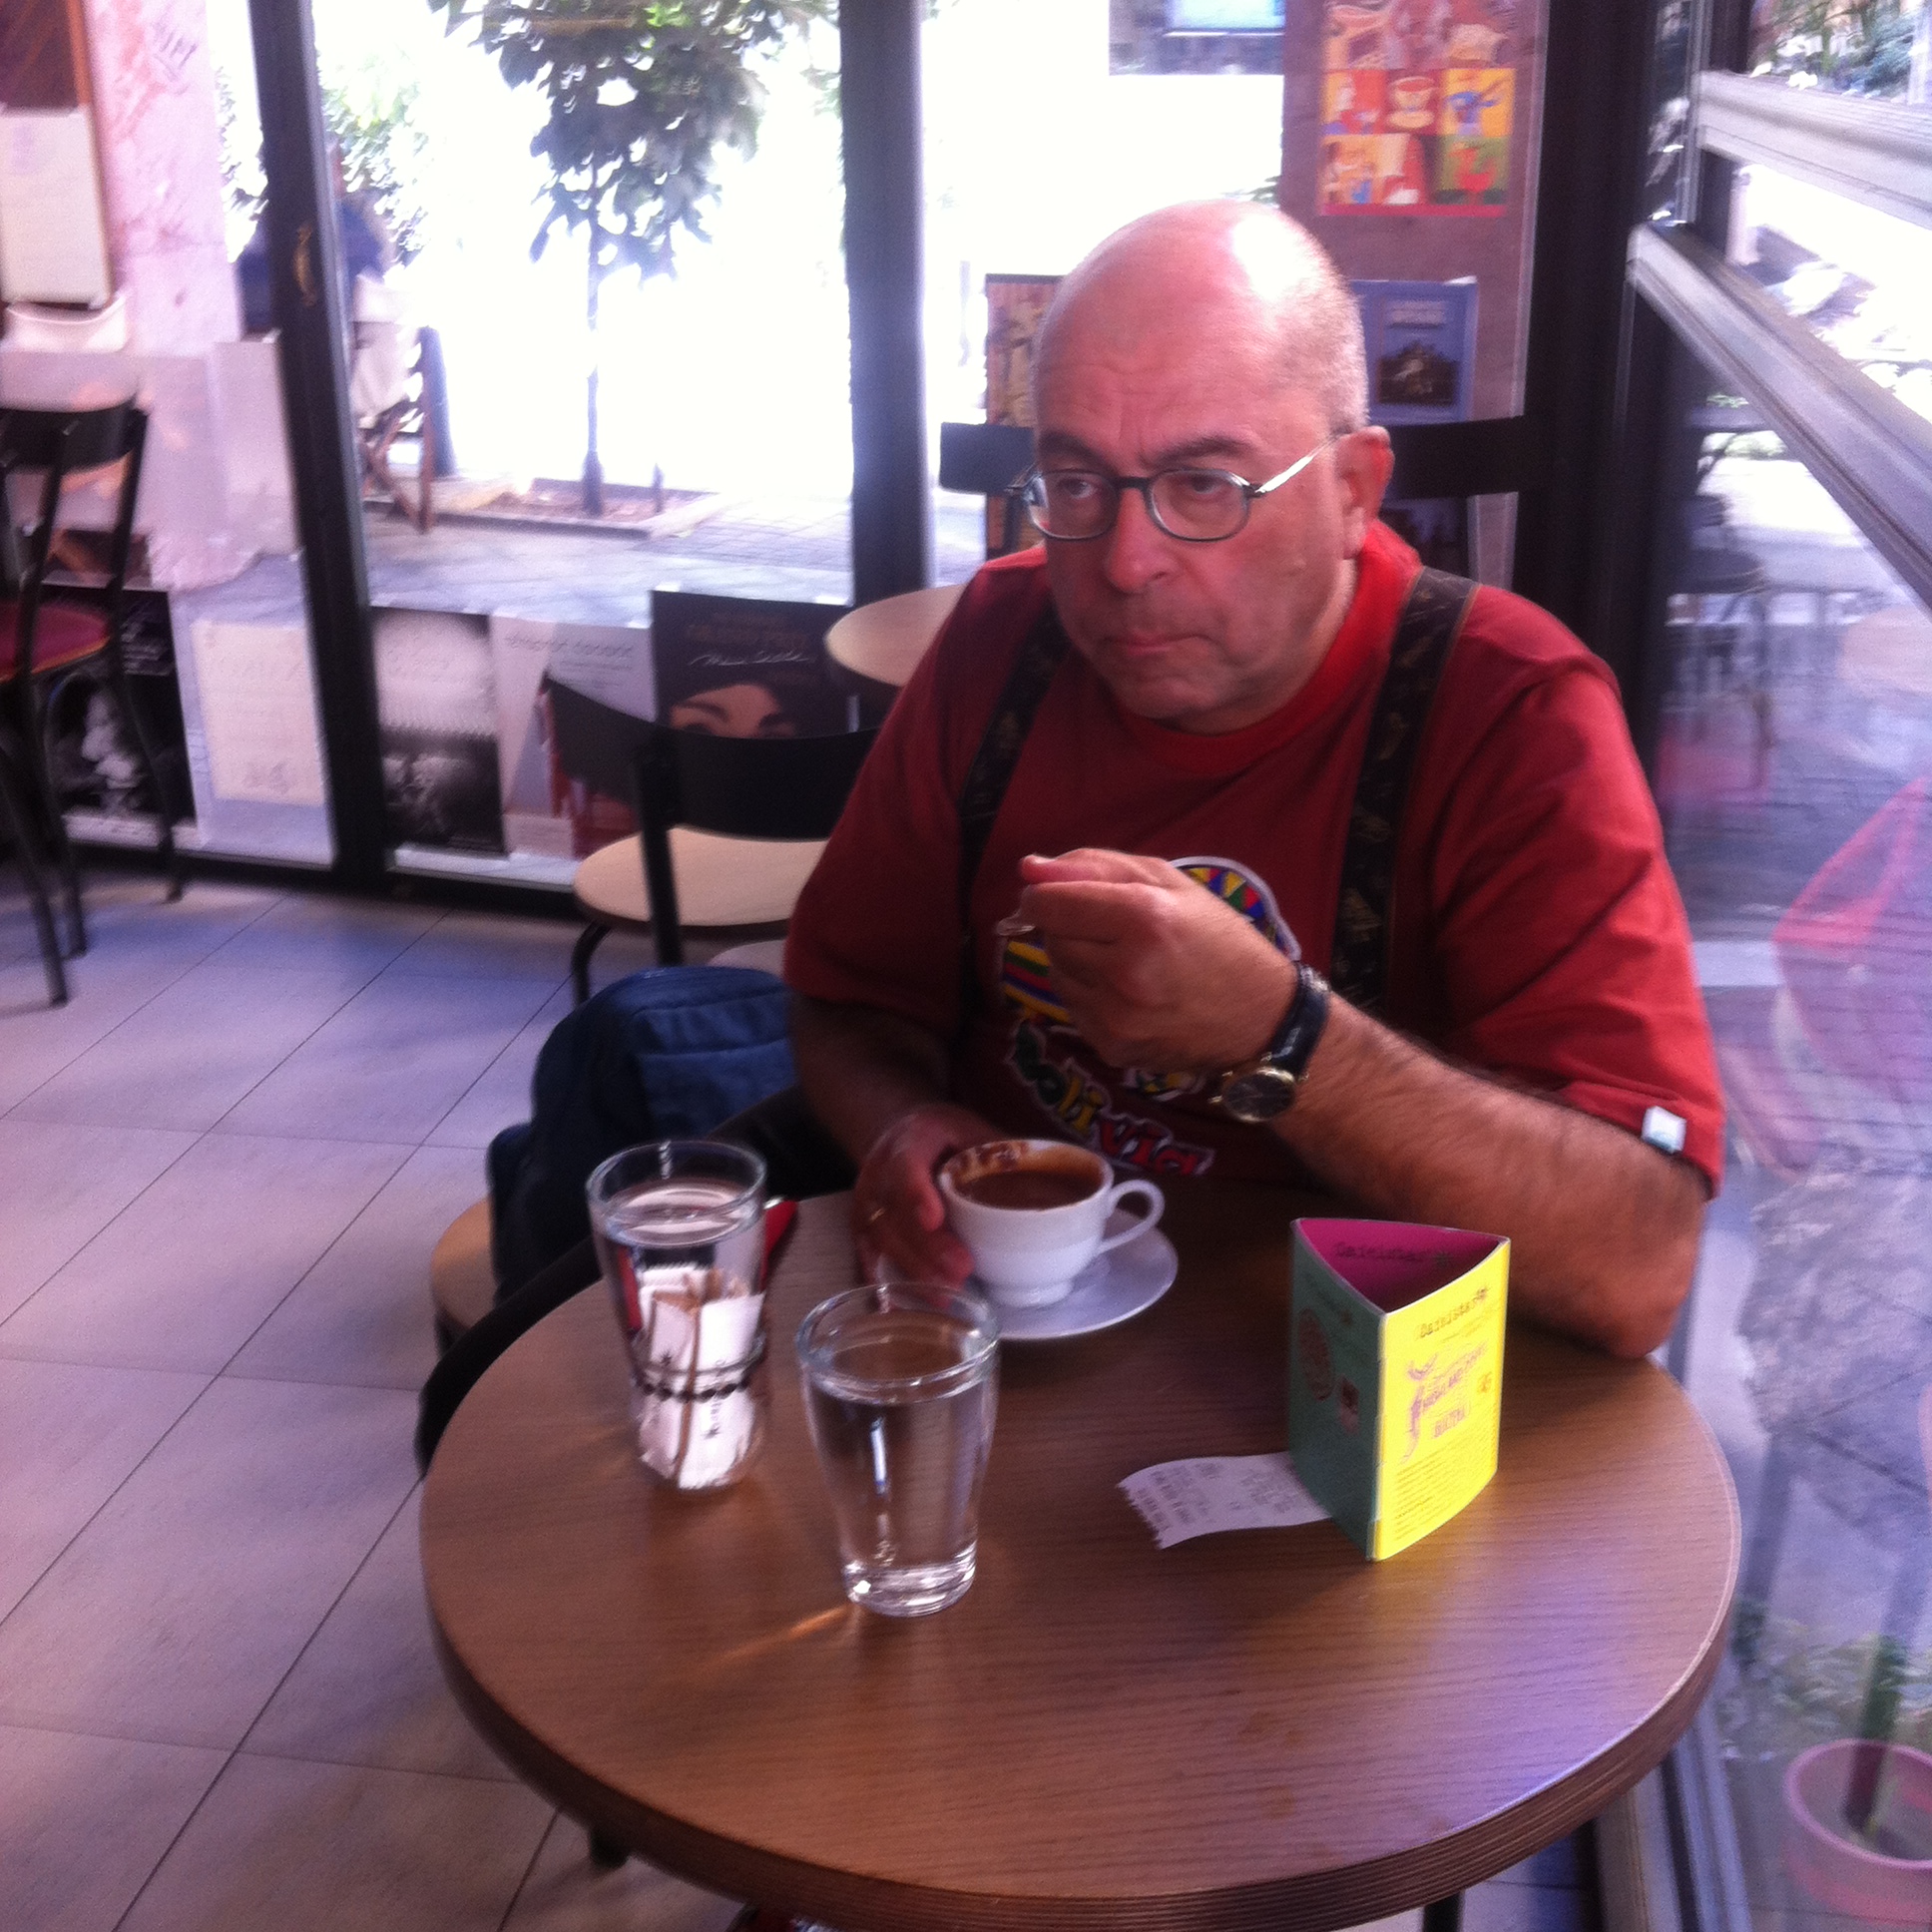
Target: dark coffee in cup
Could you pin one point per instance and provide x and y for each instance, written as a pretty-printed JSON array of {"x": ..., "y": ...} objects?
[{"x": 1029, "y": 1188}]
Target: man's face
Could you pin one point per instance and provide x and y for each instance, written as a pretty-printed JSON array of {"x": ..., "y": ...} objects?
[{"x": 1212, "y": 637}]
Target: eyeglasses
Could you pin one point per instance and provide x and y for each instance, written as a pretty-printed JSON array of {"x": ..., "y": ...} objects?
[{"x": 1190, "y": 503}]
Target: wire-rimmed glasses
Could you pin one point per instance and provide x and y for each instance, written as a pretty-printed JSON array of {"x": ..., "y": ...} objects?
[{"x": 1190, "y": 503}]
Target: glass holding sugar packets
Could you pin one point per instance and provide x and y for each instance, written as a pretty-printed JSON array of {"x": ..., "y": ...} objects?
[{"x": 680, "y": 1230}]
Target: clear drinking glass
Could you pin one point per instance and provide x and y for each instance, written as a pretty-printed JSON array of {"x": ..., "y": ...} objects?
[
  {"x": 900, "y": 1383},
  {"x": 680, "y": 1230}
]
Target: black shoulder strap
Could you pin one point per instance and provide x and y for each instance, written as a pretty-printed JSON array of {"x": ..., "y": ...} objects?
[
  {"x": 1424, "y": 636},
  {"x": 991, "y": 772}
]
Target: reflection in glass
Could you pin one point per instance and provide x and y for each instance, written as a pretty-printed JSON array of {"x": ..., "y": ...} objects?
[
  {"x": 1795, "y": 781},
  {"x": 1858, "y": 278},
  {"x": 1665, "y": 182},
  {"x": 1871, "y": 46}
]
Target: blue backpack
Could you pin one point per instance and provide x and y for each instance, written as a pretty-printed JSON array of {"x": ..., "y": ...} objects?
[{"x": 670, "y": 1051}]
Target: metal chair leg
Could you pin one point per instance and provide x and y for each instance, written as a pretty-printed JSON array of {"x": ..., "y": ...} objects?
[
  {"x": 587, "y": 943},
  {"x": 17, "y": 832}
]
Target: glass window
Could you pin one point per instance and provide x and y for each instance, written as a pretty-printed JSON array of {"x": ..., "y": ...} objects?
[
  {"x": 1871, "y": 46},
  {"x": 1858, "y": 278},
  {"x": 1794, "y": 777},
  {"x": 1035, "y": 150}
]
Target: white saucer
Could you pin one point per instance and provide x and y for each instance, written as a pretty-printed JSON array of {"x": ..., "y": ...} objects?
[{"x": 1112, "y": 1288}]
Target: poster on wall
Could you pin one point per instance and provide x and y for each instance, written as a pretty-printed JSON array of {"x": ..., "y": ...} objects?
[
  {"x": 543, "y": 813},
  {"x": 436, "y": 700},
  {"x": 744, "y": 667},
  {"x": 260, "y": 725},
  {"x": 95, "y": 763},
  {"x": 1420, "y": 338},
  {"x": 1418, "y": 98}
]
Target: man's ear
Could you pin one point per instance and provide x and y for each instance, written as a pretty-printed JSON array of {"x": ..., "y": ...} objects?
[{"x": 1363, "y": 464}]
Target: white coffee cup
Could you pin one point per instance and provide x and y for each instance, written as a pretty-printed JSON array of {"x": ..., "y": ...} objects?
[{"x": 1035, "y": 1212}]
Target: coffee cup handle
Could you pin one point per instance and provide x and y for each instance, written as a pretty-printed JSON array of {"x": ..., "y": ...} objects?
[{"x": 1156, "y": 1205}]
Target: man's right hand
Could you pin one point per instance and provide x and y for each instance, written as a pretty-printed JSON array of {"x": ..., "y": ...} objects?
[{"x": 898, "y": 1213}]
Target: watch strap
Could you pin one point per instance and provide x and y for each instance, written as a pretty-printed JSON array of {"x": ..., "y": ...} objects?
[{"x": 1294, "y": 1041}]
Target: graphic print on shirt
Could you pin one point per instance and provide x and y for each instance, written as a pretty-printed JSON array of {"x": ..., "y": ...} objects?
[{"x": 1054, "y": 1065}]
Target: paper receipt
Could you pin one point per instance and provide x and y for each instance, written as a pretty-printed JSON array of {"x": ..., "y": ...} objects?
[{"x": 1210, "y": 1493}]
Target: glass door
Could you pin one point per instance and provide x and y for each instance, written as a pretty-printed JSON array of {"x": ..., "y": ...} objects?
[{"x": 547, "y": 432}]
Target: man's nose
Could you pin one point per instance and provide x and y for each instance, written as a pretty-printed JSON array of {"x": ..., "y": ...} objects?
[{"x": 1138, "y": 551}]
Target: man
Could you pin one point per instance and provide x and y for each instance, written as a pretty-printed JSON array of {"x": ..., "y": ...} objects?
[{"x": 1541, "y": 1067}]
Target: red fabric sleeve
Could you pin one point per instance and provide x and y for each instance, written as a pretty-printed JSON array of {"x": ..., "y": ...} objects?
[{"x": 1561, "y": 946}]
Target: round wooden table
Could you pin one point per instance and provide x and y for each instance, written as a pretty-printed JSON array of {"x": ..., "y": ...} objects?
[
  {"x": 884, "y": 641},
  {"x": 1253, "y": 1729}
]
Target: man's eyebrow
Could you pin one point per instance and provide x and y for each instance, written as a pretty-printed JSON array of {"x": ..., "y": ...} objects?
[{"x": 1219, "y": 448}]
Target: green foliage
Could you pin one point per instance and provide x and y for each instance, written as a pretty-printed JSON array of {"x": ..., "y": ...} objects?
[
  {"x": 643, "y": 93},
  {"x": 1850, "y": 46},
  {"x": 371, "y": 113},
  {"x": 1792, "y": 1692}
]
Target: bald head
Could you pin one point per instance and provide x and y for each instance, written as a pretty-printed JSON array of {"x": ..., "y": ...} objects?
[{"x": 1238, "y": 273}]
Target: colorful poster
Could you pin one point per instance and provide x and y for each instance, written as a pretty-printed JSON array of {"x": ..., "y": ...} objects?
[
  {"x": 1418, "y": 98},
  {"x": 1420, "y": 337}
]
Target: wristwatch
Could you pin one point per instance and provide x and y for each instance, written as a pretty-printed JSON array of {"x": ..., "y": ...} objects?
[{"x": 1259, "y": 1089}]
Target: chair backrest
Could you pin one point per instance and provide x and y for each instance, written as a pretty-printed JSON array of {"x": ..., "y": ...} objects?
[
  {"x": 987, "y": 459},
  {"x": 56, "y": 444},
  {"x": 742, "y": 788},
  {"x": 1494, "y": 456}
]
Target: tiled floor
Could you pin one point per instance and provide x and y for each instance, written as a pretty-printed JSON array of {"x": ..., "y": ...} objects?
[{"x": 223, "y": 1167}]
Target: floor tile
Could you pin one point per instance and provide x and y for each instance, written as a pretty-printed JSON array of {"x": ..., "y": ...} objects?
[
  {"x": 314, "y": 932},
  {"x": 369, "y": 1688},
  {"x": 1529, "y": 1908},
  {"x": 68, "y": 1438},
  {"x": 335, "y": 1848},
  {"x": 191, "y": 1269},
  {"x": 177, "y": 1612},
  {"x": 394, "y": 1061},
  {"x": 60, "y": 1185},
  {"x": 1569, "y": 1863},
  {"x": 82, "y": 1821},
  {"x": 38, "y": 1040},
  {"x": 565, "y": 1892},
  {"x": 501, "y": 1095},
  {"x": 192, "y": 1052},
  {"x": 492, "y": 945},
  {"x": 361, "y": 1314},
  {"x": 130, "y": 912}
]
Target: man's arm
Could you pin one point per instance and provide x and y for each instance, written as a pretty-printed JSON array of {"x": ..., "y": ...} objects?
[
  {"x": 878, "y": 1084},
  {"x": 1158, "y": 973}
]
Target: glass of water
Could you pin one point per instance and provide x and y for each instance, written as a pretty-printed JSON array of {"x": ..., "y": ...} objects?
[
  {"x": 900, "y": 1384},
  {"x": 680, "y": 1230}
]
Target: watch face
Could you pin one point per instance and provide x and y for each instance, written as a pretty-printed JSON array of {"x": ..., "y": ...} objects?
[{"x": 1259, "y": 1096}]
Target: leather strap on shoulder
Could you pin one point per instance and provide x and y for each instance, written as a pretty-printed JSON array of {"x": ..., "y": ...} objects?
[
  {"x": 991, "y": 772},
  {"x": 1424, "y": 636}
]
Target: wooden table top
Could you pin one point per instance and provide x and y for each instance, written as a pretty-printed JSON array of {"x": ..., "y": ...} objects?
[
  {"x": 885, "y": 640},
  {"x": 1245, "y": 1730}
]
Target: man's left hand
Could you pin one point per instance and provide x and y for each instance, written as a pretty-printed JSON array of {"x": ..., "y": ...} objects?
[{"x": 1156, "y": 971}]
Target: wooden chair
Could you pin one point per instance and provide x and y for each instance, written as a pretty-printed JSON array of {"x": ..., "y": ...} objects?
[
  {"x": 753, "y": 812},
  {"x": 45, "y": 641},
  {"x": 988, "y": 459}
]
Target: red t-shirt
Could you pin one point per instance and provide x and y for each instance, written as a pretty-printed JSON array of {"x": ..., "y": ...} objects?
[{"x": 1537, "y": 931}]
